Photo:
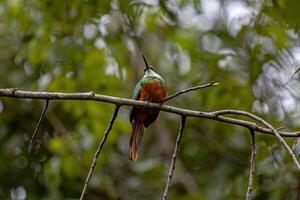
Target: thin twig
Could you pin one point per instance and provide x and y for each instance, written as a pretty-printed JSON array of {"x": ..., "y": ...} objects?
[
  {"x": 190, "y": 89},
  {"x": 252, "y": 166},
  {"x": 275, "y": 132},
  {"x": 280, "y": 128},
  {"x": 295, "y": 73},
  {"x": 173, "y": 163},
  {"x": 90, "y": 96},
  {"x": 97, "y": 153},
  {"x": 32, "y": 140}
]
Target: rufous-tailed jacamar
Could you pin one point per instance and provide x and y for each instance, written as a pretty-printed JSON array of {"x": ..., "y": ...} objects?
[{"x": 152, "y": 87}]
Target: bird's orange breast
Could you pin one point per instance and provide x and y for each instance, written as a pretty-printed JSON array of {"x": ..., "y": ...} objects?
[{"x": 153, "y": 91}]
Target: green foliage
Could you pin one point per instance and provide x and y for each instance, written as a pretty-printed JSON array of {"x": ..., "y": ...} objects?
[{"x": 252, "y": 50}]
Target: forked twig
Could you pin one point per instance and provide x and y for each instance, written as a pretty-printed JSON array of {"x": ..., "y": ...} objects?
[
  {"x": 32, "y": 139},
  {"x": 275, "y": 132},
  {"x": 190, "y": 89},
  {"x": 97, "y": 153},
  {"x": 252, "y": 165},
  {"x": 173, "y": 162}
]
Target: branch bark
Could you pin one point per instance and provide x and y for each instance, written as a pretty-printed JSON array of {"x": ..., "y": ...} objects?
[
  {"x": 252, "y": 166},
  {"x": 173, "y": 163},
  {"x": 91, "y": 96},
  {"x": 98, "y": 151}
]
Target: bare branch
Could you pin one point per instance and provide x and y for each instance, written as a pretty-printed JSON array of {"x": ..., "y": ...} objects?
[
  {"x": 15, "y": 93},
  {"x": 173, "y": 163},
  {"x": 215, "y": 115},
  {"x": 97, "y": 153},
  {"x": 190, "y": 89},
  {"x": 32, "y": 140},
  {"x": 252, "y": 166},
  {"x": 276, "y": 133}
]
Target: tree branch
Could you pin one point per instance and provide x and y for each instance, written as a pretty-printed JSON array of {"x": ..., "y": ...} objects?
[
  {"x": 173, "y": 163},
  {"x": 252, "y": 165},
  {"x": 90, "y": 96},
  {"x": 98, "y": 151},
  {"x": 32, "y": 140},
  {"x": 190, "y": 89},
  {"x": 184, "y": 113},
  {"x": 275, "y": 132}
]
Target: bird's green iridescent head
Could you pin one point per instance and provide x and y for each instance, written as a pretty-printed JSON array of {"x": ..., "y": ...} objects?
[{"x": 149, "y": 76}]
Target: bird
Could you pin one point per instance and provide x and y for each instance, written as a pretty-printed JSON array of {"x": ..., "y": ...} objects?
[{"x": 152, "y": 88}]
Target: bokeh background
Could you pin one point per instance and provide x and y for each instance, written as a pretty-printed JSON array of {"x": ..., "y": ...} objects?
[{"x": 251, "y": 47}]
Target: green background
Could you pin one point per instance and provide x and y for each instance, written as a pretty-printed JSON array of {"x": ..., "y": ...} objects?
[{"x": 250, "y": 47}]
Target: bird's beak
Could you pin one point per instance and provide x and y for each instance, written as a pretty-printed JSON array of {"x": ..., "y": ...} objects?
[{"x": 145, "y": 61}]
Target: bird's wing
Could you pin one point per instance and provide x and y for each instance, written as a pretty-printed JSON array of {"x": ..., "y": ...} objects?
[
  {"x": 151, "y": 118},
  {"x": 135, "y": 96}
]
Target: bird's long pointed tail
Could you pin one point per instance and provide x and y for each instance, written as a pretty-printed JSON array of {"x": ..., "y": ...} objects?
[{"x": 135, "y": 140}]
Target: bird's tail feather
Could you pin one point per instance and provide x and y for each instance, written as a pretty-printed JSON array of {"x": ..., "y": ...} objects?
[{"x": 135, "y": 140}]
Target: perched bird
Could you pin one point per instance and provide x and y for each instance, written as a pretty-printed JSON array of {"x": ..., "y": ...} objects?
[{"x": 152, "y": 88}]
